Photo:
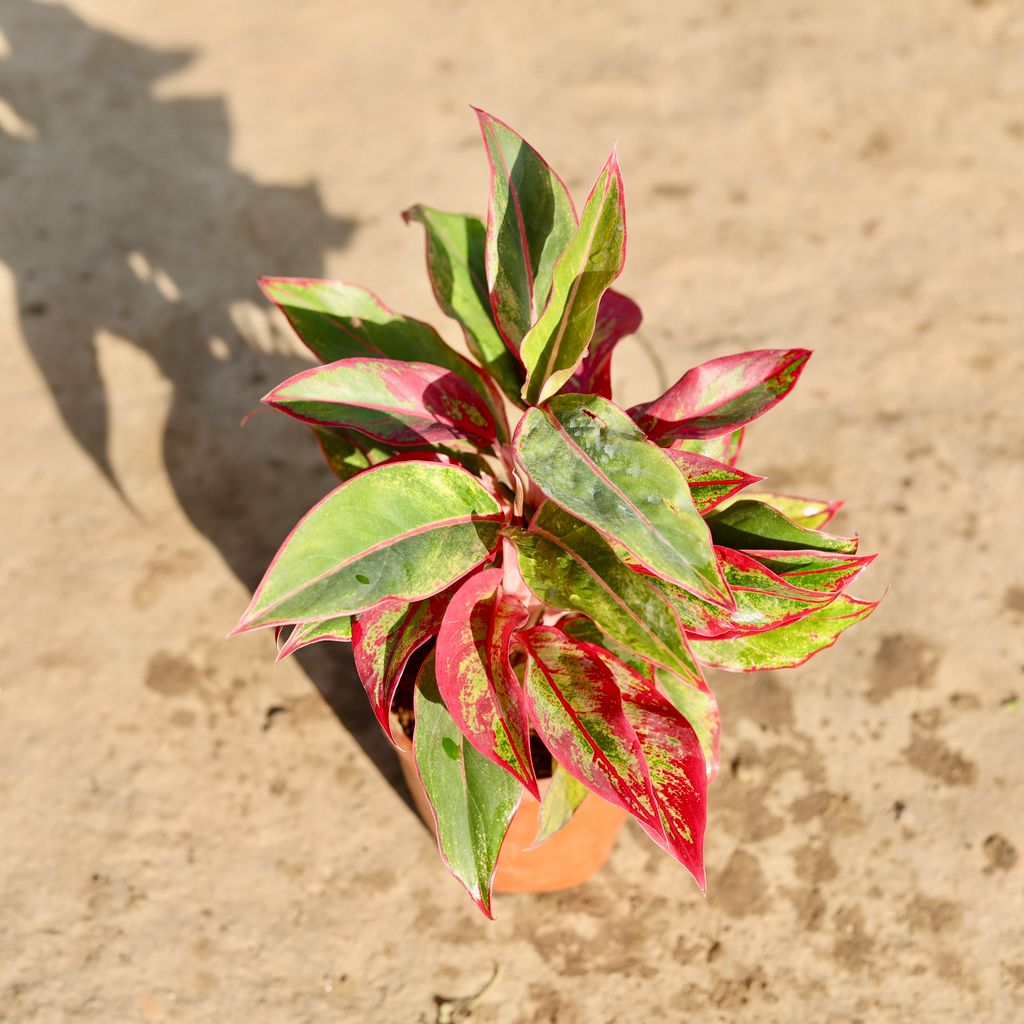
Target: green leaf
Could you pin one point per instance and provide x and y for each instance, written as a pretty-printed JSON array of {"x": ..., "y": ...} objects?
[
  {"x": 306, "y": 633},
  {"x": 567, "y": 564},
  {"x": 725, "y": 448},
  {"x": 472, "y": 799},
  {"x": 456, "y": 245},
  {"x": 557, "y": 342},
  {"x": 430, "y": 524},
  {"x": 788, "y": 645},
  {"x": 711, "y": 482},
  {"x": 753, "y": 524},
  {"x": 348, "y": 452},
  {"x": 818, "y": 571},
  {"x": 587, "y": 455},
  {"x": 813, "y": 513},
  {"x": 561, "y": 801},
  {"x": 699, "y": 707},
  {"x": 530, "y": 219}
]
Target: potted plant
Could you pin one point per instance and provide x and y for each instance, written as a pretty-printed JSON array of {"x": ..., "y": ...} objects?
[{"x": 538, "y": 600}]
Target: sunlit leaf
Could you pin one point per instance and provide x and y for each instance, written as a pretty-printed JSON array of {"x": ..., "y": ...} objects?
[
  {"x": 814, "y": 513},
  {"x": 815, "y": 570},
  {"x": 711, "y": 482},
  {"x": 617, "y": 318},
  {"x": 748, "y": 524}
]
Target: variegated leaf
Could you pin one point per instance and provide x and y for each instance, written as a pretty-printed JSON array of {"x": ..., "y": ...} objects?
[
  {"x": 788, "y": 645},
  {"x": 307, "y": 633},
  {"x": 587, "y": 455},
  {"x": 472, "y": 799},
  {"x": 711, "y": 482},
  {"x": 699, "y": 707},
  {"x": 815, "y": 570},
  {"x": 348, "y": 452},
  {"x": 556, "y": 343},
  {"x": 617, "y": 318},
  {"x": 475, "y": 676},
  {"x": 385, "y": 638},
  {"x": 430, "y": 524},
  {"x": 814, "y": 513},
  {"x": 722, "y": 394},
  {"x": 530, "y": 219},
  {"x": 561, "y": 800},
  {"x": 748, "y": 524},
  {"x": 456, "y": 245},
  {"x": 567, "y": 564},
  {"x": 391, "y": 401},
  {"x": 724, "y": 449},
  {"x": 576, "y": 709}
]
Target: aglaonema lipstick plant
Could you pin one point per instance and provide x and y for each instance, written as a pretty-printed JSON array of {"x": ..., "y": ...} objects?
[{"x": 566, "y": 579}]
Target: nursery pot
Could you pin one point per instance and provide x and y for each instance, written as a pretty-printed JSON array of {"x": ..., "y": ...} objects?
[{"x": 568, "y": 858}]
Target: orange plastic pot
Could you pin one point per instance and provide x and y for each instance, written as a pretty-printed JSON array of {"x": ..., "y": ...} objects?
[{"x": 568, "y": 858}]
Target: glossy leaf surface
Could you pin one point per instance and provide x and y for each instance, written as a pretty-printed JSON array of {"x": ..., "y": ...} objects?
[
  {"x": 472, "y": 799},
  {"x": 725, "y": 448},
  {"x": 530, "y": 219},
  {"x": 711, "y": 482},
  {"x": 617, "y": 318},
  {"x": 722, "y": 394},
  {"x": 475, "y": 676},
  {"x": 813, "y": 513},
  {"x": 747, "y": 524},
  {"x": 430, "y": 524},
  {"x": 456, "y": 245},
  {"x": 788, "y": 645},
  {"x": 561, "y": 800},
  {"x": 576, "y": 709},
  {"x": 586, "y": 455},
  {"x": 555, "y": 345},
  {"x": 383, "y": 640},
  {"x": 395, "y": 402},
  {"x": 815, "y": 570}
]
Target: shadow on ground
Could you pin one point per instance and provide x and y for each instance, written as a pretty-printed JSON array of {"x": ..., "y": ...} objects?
[{"x": 124, "y": 217}]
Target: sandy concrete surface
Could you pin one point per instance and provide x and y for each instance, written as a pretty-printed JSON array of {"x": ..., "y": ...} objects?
[{"x": 189, "y": 833}]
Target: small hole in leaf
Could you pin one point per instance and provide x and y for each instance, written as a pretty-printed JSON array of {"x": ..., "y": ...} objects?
[
  {"x": 360, "y": 578},
  {"x": 450, "y": 747}
]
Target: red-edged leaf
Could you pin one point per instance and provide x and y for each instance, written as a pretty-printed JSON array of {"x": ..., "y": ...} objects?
[
  {"x": 475, "y": 676},
  {"x": 348, "y": 452},
  {"x": 725, "y": 449},
  {"x": 818, "y": 571},
  {"x": 711, "y": 482},
  {"x": 530, "y": 219},
  {"x": 617, "y": 318},
  {"x": 383, "y": 640},
  {"x": 394, "y": 402},
  {"x": 814, "y": 513},
  {"x": 306, "y": 633},
  {"x": 749, "y": 524},
  {"x": 722, "y": 394},
  {"x": 576, "y": 709},
  {"x": 679, "y": 776}
]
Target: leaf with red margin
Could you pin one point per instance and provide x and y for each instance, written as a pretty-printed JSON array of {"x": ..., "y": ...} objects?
[
  {"x": 675, "y": 761},
  {"x": 789, "y": 645},
  {"x": 456, "y": 245},
  {"x": 471, "y": 798},
  {"x": 814, "y": 513},
  {"x": 617, "y": 317},
  {"x": 557, "y": 342},
  {"x": 342, "y": 321},
  {"x": 722, "y": 394},
  {"x": 430, "y": 525},
  {"x": 763, "y": 601},
  {"x": 748, "y": 524},
  {"x": 711, "y": 482},
  {"x": 576, "y": 709},
  {"x": 817, "y": 571},
  {"x": 587, "y": 455},
  {"x": 475, "y": 676},
  {"x": 383, "y": 640},
  {"x": 724, "y": 449},
  {"x": 530, "y": 219},
  {"x": 391, "y": 401},
  {"x": 339, "y": 629}
]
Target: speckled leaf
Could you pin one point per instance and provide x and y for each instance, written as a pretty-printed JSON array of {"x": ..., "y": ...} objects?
[
  {"x": 475, "y": 676},
  {"x": 763, "y": 600},
  {"x": 456, "y": 245},
  {"x": 750, "y": 524},
  {"x": 391, "y": 401},
  {"x": 699, "y": 707},
  {"x": 576, "y": 709},
  {"x": 711, "y": 482},
  {"x": 567, "y": 564},
  {"x": 348, "y": 452},
  {"x": 814, "y": 513},
  {"x": 557, "y": 342},
  {"x": 383, "y": 640},
  {"x": 343, "y": 321},
  {"x": 675, "y": 762},
  {"x": 587, "y": 455},
  {"x": 561, "y": 800},
  {"x": 788, "y": 645},
  {"x": 725, "y": 449},
  {"x": 722, "y": 394},
  {"x": 430, "y": 524},
  {"x": 306, "y": 633},
  {"x": 472, "y": 799},
  {"x": 815, "y": 570},
  {"x": 530, "y": 219},
  {"x": 617, "y": 318}
]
